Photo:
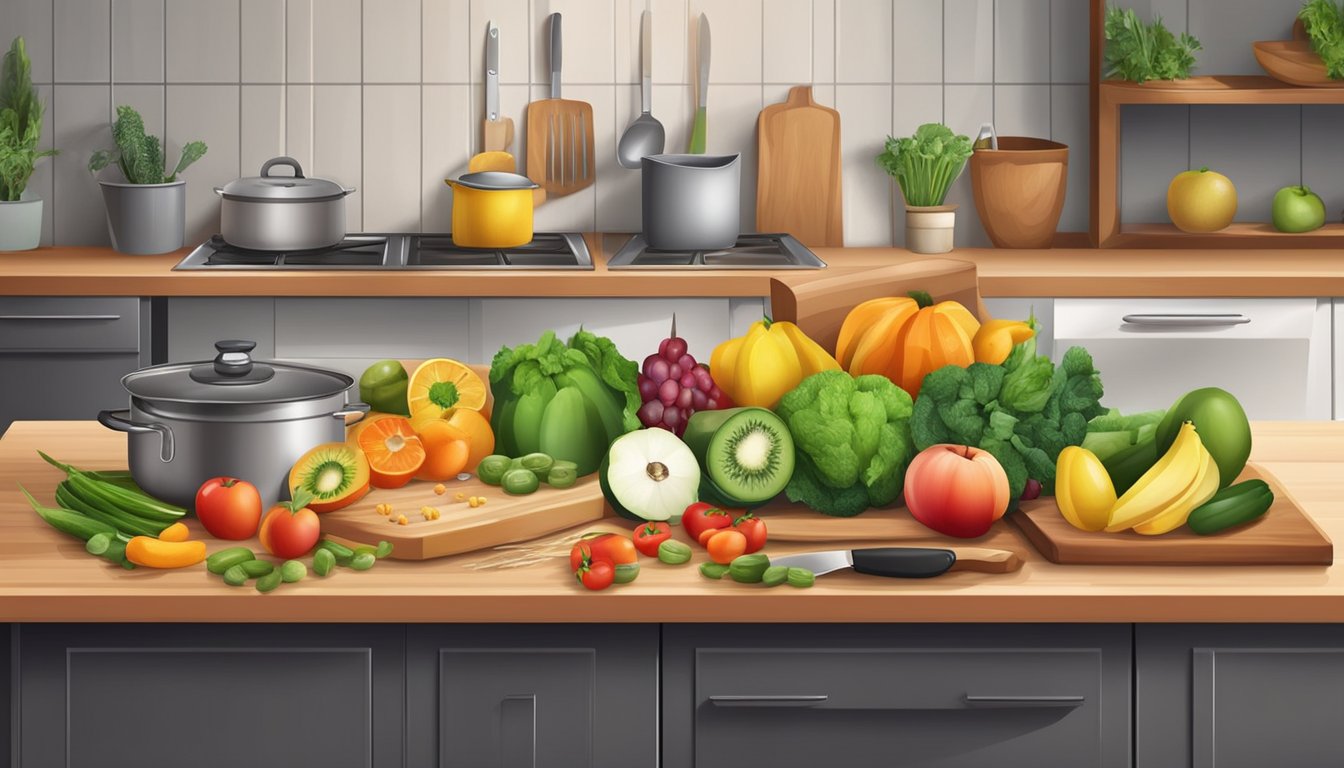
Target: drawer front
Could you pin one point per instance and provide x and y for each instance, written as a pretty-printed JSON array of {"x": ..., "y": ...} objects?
[
  {"x": 74, "y": 386},
  {"x": 376, "y": 328},
  {"x": 81, "y": 324}
]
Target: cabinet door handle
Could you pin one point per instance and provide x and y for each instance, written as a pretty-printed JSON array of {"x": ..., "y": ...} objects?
[
  {"x": 1020, "y": 702},
  {"x": 60, "y": 317},
  {"x": 1186, "y": 319},
  {"x": 769, "y": 701}
]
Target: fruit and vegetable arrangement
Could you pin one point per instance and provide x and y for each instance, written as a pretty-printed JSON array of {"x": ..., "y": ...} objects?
[{"x": 1206, "y": 201}]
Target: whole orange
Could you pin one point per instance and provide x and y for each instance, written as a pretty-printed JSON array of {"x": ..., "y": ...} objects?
[
  {"x": 471, "y": 424},
  {"x": 447, "y": 450}
]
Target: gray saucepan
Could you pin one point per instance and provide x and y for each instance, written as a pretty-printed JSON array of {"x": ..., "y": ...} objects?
[{"x": 282, "y": 213}]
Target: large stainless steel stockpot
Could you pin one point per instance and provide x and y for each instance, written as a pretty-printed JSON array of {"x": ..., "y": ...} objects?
[
  {"x": 282, "y": 213},
  {"x": 691, "y": 202},
  {"x": 189, "y": 422}
]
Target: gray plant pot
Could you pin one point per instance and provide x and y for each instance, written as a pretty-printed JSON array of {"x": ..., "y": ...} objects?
[
  {"x": 21, "y": 223},
  {"x": 145, "y": 219}
]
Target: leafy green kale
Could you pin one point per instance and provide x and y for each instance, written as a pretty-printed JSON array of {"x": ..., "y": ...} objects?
[
  {"x": 140, "y": 157},
  {"x": 1139, "y": 52},
  {"x": 853, "y": 441},
  {"x": 1324, "y": 22}
]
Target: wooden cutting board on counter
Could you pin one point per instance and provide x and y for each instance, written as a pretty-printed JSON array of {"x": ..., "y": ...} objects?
[
  {"x": 503, "y": 519},
  {"x": 798, "y": 186},
  {"x": 1285, "y": 535}
]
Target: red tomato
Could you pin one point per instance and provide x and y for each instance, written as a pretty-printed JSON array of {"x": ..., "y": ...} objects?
[
  {"x": 598, "y": 575},
  {"x": 580, "y": 555},
  {"x": 603, "y": 547},
  {"x": 649, "y": 535},
  {"x": 723, "y": 546},
  {"x": 700, "y": 517},
  {"x": 290, "y": 529},
  {"x": 753, "y": 528},
  {"x": 229, "y": 508}
]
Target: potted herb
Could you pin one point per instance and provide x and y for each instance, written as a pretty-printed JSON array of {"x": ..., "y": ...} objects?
[
  {"x": 925, "y": 165},
  {"x": 20, "y": 129},
  {"x": 147, "y": 213}
]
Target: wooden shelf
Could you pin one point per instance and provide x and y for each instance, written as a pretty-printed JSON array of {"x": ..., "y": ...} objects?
[
  {"x": 1216, "y": 89},
  {"x": 1237, "y": 235}
]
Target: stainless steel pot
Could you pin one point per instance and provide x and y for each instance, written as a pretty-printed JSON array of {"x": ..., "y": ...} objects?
[
  {"x": 691, "y": 202},
  {"x": 282, "y": 213},
  {"x": 189, "y": 422}
]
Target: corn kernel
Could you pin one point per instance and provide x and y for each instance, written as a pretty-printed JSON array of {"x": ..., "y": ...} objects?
[
  {"x": 401, "y": 520},
  {"x": 440, "y": 489},
  {"x": 473, "y": 502},
  {"x": 429, "y": 513},
  {"x": 460, "y": 497}
]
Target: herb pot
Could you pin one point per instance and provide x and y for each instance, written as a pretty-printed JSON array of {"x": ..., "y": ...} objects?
[
  {"x": 282, "y": 213},
  {"x": 21, "y": 223},
  {"x": 145, "y": 219},
  {"x": 492, "y": 209},
  {"x": 692, "y": 202},
  {"x": 1019, "y": 190},
  {"x": 930, "y": 228},
  {"x": 189, "y": 422}
]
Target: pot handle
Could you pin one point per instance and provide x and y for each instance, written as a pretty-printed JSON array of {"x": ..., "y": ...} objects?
[
  {"x": 358, "y": 410},
  {"x": 120, "y": 420},
  {"x": 289, "y": 161},
  {"x": 219, "y": 191}
]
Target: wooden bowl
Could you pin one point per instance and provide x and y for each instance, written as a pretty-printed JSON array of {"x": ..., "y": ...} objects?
[
  {"x": 1019, "y": 190},
  {"x": 1293, "y": 62}
]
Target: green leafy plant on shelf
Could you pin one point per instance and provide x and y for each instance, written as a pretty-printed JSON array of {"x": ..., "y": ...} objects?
[
  {"x": 140, "y": 157},
  {"x": 20, "y": 122},
  {"x": 926, "y": 164},
  {"x": 1140, "y": 52},
  {"x": 1324, "y": 22}
]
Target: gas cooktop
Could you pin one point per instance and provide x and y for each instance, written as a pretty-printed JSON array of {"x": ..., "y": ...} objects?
[
  {"x": 753, "y": 251},
  {"x": 548, "y": 250}
]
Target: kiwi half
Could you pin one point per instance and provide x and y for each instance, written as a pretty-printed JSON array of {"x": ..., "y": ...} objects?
[
  {"x": 336, "y": 474},
  {"x": 746, "y": 455}
]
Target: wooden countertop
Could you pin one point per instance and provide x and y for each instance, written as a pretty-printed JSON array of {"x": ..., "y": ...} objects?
[
  {"x": 46, "y": 576},
  {"x": 1028, "y": 273}
]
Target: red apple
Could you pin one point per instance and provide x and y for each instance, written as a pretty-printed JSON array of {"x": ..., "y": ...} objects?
[{"x": 956, "y": 490}]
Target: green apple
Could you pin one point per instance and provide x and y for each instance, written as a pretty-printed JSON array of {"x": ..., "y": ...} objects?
[{"x": 1298, "y": 209}]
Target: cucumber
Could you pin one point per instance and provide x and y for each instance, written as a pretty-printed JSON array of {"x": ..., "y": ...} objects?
[
  {"x": 225, "y": 559},
  {"x": 1233, "y": 506}
]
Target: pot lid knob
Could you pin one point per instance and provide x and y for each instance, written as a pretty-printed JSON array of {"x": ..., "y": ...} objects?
[{"x": 233, "y": 365}]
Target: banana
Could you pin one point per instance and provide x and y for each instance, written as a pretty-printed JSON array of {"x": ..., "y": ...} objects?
[
  {"x": 1163, "y": 484},
  {"x": 1200, "y": 491},
  {"x": 1083, "y": 490}
]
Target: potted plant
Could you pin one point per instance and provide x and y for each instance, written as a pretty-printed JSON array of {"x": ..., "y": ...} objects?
[
  {"x": 925, "y": 165},
  {"x": 20, "y": 129},
  {"x": 147, "y": 213}
]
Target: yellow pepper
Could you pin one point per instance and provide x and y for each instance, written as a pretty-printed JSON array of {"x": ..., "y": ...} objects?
[
  {"x": 996, "y": 338},
  {"x": 758, "y": 368}
]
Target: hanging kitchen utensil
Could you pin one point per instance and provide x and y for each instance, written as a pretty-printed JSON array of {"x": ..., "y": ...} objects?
[
  {"x": 701, "y": 126},
  {"x": 798, "y": 174},
  {"x": 498, "y": 130},
  {"x": 560, "y": 134},
  {"x": 645, "y": 136}
]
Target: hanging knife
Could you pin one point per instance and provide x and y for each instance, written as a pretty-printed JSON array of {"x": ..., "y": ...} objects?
[
  {"x": 701, "y": 116},
  {"x": 498, "y": 129},
  {"x": 904, "y": 562}
]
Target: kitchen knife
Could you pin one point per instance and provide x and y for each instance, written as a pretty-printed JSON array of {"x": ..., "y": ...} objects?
[
  {"x": 701, "y": 116},
  {"x": 904, "y": 562},
  {"x": 498, "y": 129}
]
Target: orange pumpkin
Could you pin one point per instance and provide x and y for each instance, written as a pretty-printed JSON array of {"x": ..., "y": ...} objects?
[{"x": 905, "y": 339}]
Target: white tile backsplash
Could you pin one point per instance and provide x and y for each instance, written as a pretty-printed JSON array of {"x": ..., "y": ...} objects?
[
  {"x": 1069, "y": 125},
  {"x": 446, "y": 128},
  {"x": 444, "y": 43},
  {"x": 322, "y": 41},
  {"x": 515, "y": 39},
  {"x": 338, "y": 144},
  {"x": 581, "y": 22},
  {"x": 670, "y": 49},
  {"x": 203, "y": 41},
  {"x": 137, "y": 41},
  {"x": 390, "y": 54},
  {"x": 823, "y": 41},
  {"x": 261, "y": 121},
  {"x": 1021, "y": 110},
  {"x": 262, "y": 41},
  {"x": 206, "y": 113},
  {"x": 83, "y": 40},
  {"x": 1069, "y": 33},
  {"x": 1022, "y": 41},
  {"x": 865, "y": 119},
  {"x": 737, "y": 32},
  {"x": 788, "y": 42},
  {"x": 391, "y": 156},
  {"x": 32, "y": 19},
  {"x": 917, "y": 40},
  {"x": 864, "y": 27},
  {"x": 968, "y": 41},
  {"x": 80, "y": 127}
]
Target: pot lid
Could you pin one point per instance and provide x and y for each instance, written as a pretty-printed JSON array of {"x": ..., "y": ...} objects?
[
  {"x": 496, "y": 180},
  {"x": 233, "y": 377},
  {"x": 281, "y": 188}
]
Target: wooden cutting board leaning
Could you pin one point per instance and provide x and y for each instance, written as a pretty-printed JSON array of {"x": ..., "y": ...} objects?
[{"x": 798, "y": 174}]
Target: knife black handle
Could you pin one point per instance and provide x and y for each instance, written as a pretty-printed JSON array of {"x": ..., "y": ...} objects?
[{"x": 903, "y": 562}]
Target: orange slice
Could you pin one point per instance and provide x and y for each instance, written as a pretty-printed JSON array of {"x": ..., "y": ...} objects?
[
  {"x": 394, "y": 451},
  {"x": 440, "y": 384}
]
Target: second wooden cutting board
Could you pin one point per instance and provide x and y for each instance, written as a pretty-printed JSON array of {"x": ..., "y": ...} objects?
[{"x": 798, "y": 175}]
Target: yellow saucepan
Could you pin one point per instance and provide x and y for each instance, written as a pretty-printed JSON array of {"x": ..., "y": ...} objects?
[{"x": 492, "y": 209}]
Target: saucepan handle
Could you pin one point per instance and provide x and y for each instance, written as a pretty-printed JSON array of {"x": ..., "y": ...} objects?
[
  {"x": 358, "y": 410},
  {"x": 120, "y": 420}
]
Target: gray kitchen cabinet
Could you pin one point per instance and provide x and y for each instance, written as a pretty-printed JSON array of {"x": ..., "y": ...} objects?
[
  {"x": 195, "y": 323},
  {"x": 114, "y": 696},
  {"x": 536, "y": 696},
  {"x": 917, "y": 696},
  {"x": 63, "y": 357},
  {"x": 1232, "y": 696}
]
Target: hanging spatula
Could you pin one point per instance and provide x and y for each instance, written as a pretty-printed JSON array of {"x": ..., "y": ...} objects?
[{"x": 560, "y": 134}]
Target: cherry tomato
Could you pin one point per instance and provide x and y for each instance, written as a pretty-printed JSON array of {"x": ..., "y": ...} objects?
[
  {"x": 726, "y": 545},
  {"x": 700, "y": 517},
  {"x": 649, "y": 535},
  {"x": 229, "y": 508},
  {"x": 612, "y": 548},
  {"x": 580, "y": 555},
  {"x": 598, "y": 575},
  {"x": 753, "y": 528},
  {"x": 290, "y": 529}
]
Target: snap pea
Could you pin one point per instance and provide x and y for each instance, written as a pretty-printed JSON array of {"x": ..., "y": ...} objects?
[
  {"x": 775, "y": 575},
  {"x": 520, "y": 481},
  {"x": 492, "y": 468},
  {"x": 293, "y": 571},
  {"x": 323, "y": 562},
  {"x": 713, "y": 570},
  {"x": 674, "y": 552},
  {"x": 269, "y": 582},
  {"x": 225, "y": 559},
  {"x": 384, "y": 549},
  {"x": 342, "y": 552},
  {"x": 362, "y": 561},
  {"x": 748, "y": 569}
]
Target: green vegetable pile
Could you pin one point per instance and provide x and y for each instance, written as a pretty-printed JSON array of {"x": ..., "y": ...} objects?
[
  {"x": 140, "y": 157},
  {"x": 926, "y": 164},
  {"x": 570, "y": 401},
  {"x": 853, "y": 441},
  {"x": 20, "y": 123},
  {"x": 1110, "y": 433},
  {"x": 1024, "y": 411},
  {"x": 1324, "y": 22},
  {"x": 1139, "y": 52}
]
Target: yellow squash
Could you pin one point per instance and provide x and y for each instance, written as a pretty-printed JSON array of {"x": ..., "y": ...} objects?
[
  {"x": 996, "y": 338},
  {"x": 757, "y": 369}
]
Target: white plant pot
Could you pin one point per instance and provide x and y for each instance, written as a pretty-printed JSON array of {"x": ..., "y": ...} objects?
[
  {"x": 21, "y": 223},
  {"x": 930, "y": 229},
  {"x": 144, "y": 219}
]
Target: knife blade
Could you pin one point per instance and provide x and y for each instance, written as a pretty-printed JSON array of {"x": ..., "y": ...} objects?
[
  {"x": 492, "y": 73},
  {"x": 702, "y": 50},
  {"x": 903, "y": 562}
]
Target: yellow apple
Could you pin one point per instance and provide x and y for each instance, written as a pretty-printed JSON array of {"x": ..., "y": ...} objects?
[{"x": 1201, "y": 201}]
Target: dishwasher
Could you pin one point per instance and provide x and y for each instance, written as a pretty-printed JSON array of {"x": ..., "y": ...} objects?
[{"x": 1272, "y": 354}]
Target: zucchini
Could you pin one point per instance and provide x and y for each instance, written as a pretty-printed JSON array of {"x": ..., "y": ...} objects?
[
  {"x": 1233, "y": 506},
  {"x": 69, "y": 521}
]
